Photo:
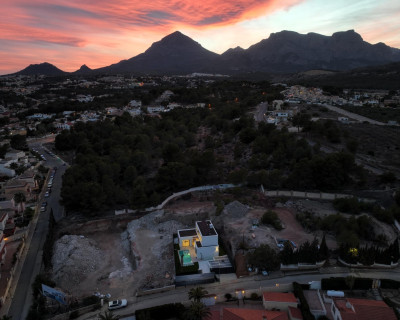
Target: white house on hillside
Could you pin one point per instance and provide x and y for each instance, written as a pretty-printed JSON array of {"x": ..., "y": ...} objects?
[{"x": 203, "y": 238}]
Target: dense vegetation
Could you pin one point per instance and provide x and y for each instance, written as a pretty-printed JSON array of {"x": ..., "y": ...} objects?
[
  {"x": 370, "y": 255},
  {"x": 139, "y": 161},
  {"x": 310, "y": 253}
]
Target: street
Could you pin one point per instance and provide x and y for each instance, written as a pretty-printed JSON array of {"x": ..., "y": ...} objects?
[
  {"x": 180, "y": 294},
  {"x": 22, "y": 297},
  {"x": 259, "y": 115}
]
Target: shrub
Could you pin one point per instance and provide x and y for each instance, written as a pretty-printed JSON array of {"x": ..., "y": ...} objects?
[
  {"x": 228, "y": 296},
  {"x": 340, "y": 284},
  {"x": 271, "y": 217},
  {"x": 390, "y": 284},
  {"x": 254, "y": 296},
  {"x": 87, "y": 301},
  {"x": 74, "y": 314}
]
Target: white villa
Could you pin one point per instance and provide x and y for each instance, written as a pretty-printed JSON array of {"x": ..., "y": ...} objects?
[{"x": 203, "y": 238}]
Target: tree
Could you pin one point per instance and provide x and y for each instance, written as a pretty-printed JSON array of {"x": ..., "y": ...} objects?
[
  {"x": 264, "y": 257},
  {"x": 18, "y": 142},
  {"x": 197, "y": 311},
  {"x": 196, "y": 294},
  {"x": 5, "y": 317},
  {"x": 19, "y": 199},
  {"x": 323, "y": 252},
  {"x": 108, "y": 315},
  {"x": 350, "y": 280}
]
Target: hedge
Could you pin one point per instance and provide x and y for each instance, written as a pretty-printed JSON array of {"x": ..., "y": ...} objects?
[
  {"x": 163, "y": 312},
  {"x": 340, "y": 284},
  {"x": 390, "y": 284}
]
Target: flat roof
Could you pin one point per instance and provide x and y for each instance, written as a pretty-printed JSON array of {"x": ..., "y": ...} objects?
[
  {"x": 313, "y": 300},
  {"x": 187, "y": 233},
  {"x": 206, "y": 228}
]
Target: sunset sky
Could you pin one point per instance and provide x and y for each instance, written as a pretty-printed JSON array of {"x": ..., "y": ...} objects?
[{"x": 69, "y": 33}]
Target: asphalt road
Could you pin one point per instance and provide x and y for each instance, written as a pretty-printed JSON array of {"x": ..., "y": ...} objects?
[
  {"x": 22, "y": 298},
  {"x": 354, "y": 115},
  {"x": 180, "y": 294},
  {"x": 259, "y": 115}
]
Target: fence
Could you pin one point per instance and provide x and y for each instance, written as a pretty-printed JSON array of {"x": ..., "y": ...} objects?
[
  {"x": 80, "y": 311},
  {"x": 140, "y": 293}
]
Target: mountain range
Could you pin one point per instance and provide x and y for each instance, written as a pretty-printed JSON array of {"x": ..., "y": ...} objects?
[{"x": 282, "y": 52}]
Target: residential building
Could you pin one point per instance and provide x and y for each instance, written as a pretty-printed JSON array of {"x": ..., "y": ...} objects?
[
  {"x": 247, "y": 314},
  {"x": 360, "y": 309},
  {"x": 5, "y": 168},
  {"x": 203, "y": 238},
  {"x": 279, "y": 300}
]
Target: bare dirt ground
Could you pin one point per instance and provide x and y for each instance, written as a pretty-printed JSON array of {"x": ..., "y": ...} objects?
[
  {"x": 139, "y": 256},
  {"x": 241, "y": 229}
]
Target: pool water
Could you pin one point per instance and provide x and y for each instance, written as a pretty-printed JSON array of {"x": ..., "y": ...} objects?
[{"x": 185, "y": 258}]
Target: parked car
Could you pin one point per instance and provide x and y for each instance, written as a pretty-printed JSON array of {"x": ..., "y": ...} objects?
[
  {"x": 44, "y": 203},
  {"x": 117, "y": 304},
  {"x": 42, "y": 209},
  {"x": 47, "y": 194}
]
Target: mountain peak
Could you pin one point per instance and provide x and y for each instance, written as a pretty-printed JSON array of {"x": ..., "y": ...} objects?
[
  {"x": 176, "y": 38},
  {"x": 44, "y": 68},
  {"x": 349, "y": 35},
  {"x": 83, "y": 69}
]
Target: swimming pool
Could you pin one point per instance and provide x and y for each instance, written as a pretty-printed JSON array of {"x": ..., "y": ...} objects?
[{"x": 185, "y": 258}]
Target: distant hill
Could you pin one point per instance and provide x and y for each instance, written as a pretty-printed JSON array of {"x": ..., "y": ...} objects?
[
  {"x": 375, "y": 77},
  {"x": 42, "y": 68},
  {"x": 289, "y": 51},
  {"x": 84, "y": 69},
  {"x": 282, "y": 52}
]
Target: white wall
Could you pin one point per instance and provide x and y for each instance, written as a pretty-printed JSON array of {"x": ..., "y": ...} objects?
[
  {"x": 209, "y": 241},
  {"x": 207, "y": 253}
]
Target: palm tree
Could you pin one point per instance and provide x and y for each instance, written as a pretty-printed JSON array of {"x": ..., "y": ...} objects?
[
  {"x": 108, "y": 315},
  {"x": 196, "y": 294},
  {"x": 19, "y": 199},
  {"x": 197, "y": 311}
]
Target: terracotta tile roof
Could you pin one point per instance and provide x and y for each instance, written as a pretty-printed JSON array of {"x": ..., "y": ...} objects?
[
  {"x": 364, "y": 309},
  {"x": 279, "y": 297},
  {"x": 372, "y": 309},
  {"x": 215, "y": 315},
  {"x": 295, "y": 313},
  {"x": 251, "y": 314}
]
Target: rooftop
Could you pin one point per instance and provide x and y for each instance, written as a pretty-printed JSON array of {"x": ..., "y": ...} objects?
[
  {"x": 364, "y": 309},
  {"x": 206, "y": 228},
  {"x": 295, "y": 313},
  {"x": 279, "y": 297},
  {"x": 250, "y": 314},
  {"x": 187, "y": 233}
]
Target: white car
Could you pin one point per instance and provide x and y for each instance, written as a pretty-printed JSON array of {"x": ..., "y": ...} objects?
[
  {"x": 117, "y": 304},
  {"x": 47, "y": 194}
]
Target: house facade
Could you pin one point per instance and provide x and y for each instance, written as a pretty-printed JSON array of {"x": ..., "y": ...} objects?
[{"x": 203, "y": 238}]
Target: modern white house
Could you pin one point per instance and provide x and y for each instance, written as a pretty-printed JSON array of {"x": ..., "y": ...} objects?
[{"x": 203, "y": 238}]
